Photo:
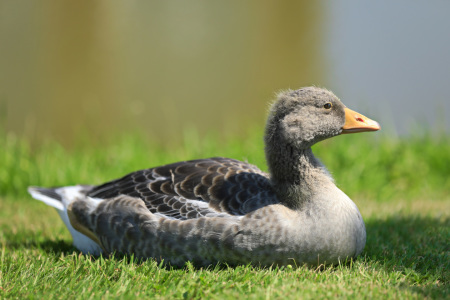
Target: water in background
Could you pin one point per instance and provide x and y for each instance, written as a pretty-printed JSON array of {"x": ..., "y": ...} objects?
[{"x": 68, "y": 68}]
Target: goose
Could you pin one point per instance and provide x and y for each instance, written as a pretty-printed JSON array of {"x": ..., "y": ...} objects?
[{"x": 214, "y": 210}]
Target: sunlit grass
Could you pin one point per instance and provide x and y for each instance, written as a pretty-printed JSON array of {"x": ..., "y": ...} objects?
[{"x": 401, "y": 186}]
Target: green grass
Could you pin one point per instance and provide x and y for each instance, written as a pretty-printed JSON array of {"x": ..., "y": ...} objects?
[{"x": 402, "y": 187}]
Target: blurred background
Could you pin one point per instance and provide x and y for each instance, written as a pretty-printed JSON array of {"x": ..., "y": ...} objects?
[{"x": 68, "y": 68}]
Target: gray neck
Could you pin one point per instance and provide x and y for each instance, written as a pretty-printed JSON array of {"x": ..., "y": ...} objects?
[{"x": 297, "y": 176}]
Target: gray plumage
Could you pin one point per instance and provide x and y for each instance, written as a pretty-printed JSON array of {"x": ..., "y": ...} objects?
[{"x": 223, "y": 210}]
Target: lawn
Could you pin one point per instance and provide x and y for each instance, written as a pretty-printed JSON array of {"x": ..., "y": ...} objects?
[{"x": 401, "y": 186}]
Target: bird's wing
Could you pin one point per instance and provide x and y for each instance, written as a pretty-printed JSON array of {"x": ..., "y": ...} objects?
[{"x": 191, "y": 189}]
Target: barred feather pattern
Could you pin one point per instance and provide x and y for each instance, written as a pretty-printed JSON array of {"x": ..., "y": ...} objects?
[{"x": 192, "y": 189}]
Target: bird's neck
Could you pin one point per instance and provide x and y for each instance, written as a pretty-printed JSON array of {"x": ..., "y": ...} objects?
[{"x": 297, "y": 176}]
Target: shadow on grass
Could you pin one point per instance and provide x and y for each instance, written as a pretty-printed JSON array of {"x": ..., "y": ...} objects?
[
  {"x": 28, "y": 240},
  {"x": 416, "y": 246}
]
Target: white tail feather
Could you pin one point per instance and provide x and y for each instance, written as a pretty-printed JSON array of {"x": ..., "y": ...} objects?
[
  {"x": 67, "y": 195},
  {"x": 46, "y": 199}
]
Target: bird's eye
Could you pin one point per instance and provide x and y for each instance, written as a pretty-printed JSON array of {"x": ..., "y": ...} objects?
[{"x": 327, "y": 105}]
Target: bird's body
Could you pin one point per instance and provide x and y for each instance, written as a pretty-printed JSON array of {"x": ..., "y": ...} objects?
[{"x": 223, "y": 210}]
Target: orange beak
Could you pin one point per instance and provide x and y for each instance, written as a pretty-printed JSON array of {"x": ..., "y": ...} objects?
[{"x": 355, "y": 122}]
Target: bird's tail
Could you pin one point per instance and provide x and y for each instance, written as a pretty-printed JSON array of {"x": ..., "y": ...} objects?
[
  {"x": 49, "y": 196},
  {"x": 60, "y": 198}
]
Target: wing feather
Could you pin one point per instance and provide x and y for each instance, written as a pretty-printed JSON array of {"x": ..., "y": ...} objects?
[{"x": 192, "y": 189}]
